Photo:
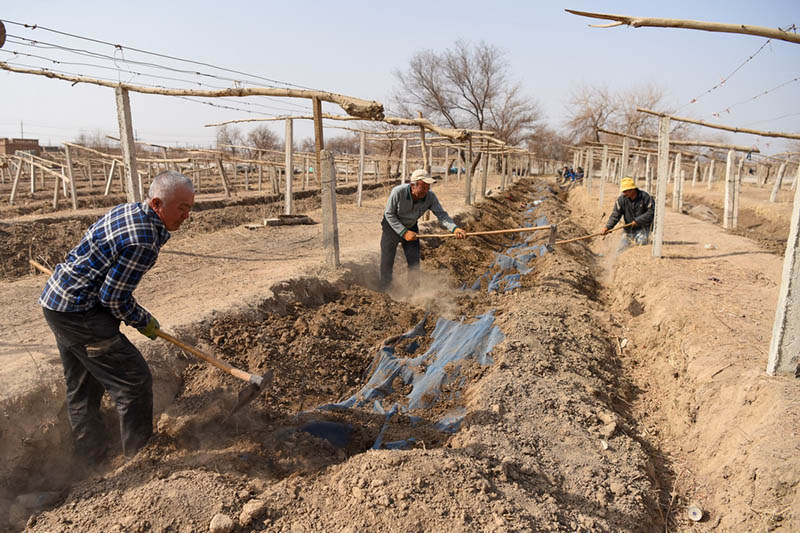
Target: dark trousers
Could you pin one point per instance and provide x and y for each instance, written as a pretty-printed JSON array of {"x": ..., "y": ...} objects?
[
  {"x": 97, "y": 358},
  {"x": 389, "y": 241}
]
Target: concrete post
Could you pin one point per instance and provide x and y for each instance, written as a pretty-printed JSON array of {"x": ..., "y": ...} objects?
[
  {"x": 446, "y": 164},
  {"x": 711, "y": 175},
  {"x": 648, "y": 180},
  {"x": 694, "y": 173},
  {"x": 133, "y": 184},
  {"x": 661, "y": 185},
  {"x": 676, "y": 189},
  {"x": 458, "y": 164},
  {"x": 603, "y": 175},
  {"x": 623, "y": 164},
  {"x": 727, "y": 213},
  {"x": 784, "y": 348},
  {"x": 682, "y": 179},
  {"x": 361, "y": 149},
  {"x": 778, "y": 181},
  {"x": 736, "y": 192},
  {"x": 288, "y": 201},
  {"x": 330, "y": 225}
]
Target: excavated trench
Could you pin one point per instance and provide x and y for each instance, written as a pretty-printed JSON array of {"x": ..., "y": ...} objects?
[{"x": 542, "y": 438}]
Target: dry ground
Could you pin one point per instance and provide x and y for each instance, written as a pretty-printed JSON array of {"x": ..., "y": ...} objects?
[{"x": 626, "y": 389}]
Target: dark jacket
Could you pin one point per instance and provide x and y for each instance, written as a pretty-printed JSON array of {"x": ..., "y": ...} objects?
[{"x": 642, "y": 210}]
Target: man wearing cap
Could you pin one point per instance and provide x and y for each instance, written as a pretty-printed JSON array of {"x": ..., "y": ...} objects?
[
  {"x": 87, "y": 297},
  {"x": 634, "y": 206},
  {"x": 408, "y": 202}
]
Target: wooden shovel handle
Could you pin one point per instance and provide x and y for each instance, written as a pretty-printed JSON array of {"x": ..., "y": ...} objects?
[
  {"x": 594, "y": 234},
  {"x": 491, "y": 232},
  {"x": 222, "y": 365}
]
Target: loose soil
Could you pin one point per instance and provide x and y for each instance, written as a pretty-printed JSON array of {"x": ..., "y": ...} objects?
[{"x": 603, "y": 409}]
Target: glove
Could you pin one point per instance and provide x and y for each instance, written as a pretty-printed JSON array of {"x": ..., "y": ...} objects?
[
  {"x": 410, "y": 235},
  {"x": 459, "y": 233},
  {"x": 150, "y": 329}
]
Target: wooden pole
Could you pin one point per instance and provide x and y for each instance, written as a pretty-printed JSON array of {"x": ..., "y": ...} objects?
[
  {"x": 485, "y": 175},
  {"x": 71, "y": 176},
  {"x": 288, "y": 197},
  {"x": 110, "y": 177},
  {"x": 468, "y": 180},
  {"x": 16, "y": 182},
  {"x": 330, "y": 227},
  {"x": 404, "y": 171},
  {"x": 33, "y": 178},
  {"x": 661, "y": 185},
  {"x": 133, "y": 183},
  {"x": 225, "y": 184},
  {"x": 319, "y": 141},
  {"x": 773, "y": 197},
  {"x": 55, "y": 193},
  {"x": 361, "y": 149},
  {"x": 589, "y": 165}
]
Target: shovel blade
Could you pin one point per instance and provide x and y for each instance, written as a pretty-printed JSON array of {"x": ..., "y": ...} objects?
[{"x": 251, "y": 391}]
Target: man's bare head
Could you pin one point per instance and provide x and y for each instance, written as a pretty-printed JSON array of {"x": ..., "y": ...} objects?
[{"x": 171, "y": 196}]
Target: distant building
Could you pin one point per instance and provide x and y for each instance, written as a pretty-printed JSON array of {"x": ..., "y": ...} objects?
[{"x": 10, "y": 146}]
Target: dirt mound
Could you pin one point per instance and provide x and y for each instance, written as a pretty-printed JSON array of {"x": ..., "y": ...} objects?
[{"x": 770, "y": 234}]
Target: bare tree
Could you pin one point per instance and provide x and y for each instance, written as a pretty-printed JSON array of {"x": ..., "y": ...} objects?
[
  {"x": 548, "y": 143},
  {"x": 467, "y": 86},
  {"x": 263, "y": 138},
  {"x": 628, "y": 120},
  {"x": 348, "y": 143},
  {"x": 96, "y": 139},
  {"x": 229, "y": 135},
  {"x": 588, "y": 108}
]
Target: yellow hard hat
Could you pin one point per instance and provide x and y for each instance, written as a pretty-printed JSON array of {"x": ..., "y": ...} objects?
[{"x": 626, "y": 184}]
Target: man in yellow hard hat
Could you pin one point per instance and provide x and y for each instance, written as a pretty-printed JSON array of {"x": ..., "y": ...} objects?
[{"x": 634, "y": 206}]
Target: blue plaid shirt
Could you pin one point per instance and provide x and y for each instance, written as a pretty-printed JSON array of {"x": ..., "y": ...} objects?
[{"x": 108, "y": 263}]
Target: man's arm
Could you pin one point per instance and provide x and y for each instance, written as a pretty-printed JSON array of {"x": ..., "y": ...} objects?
[
  {"x": 441, "y": 214},
  {"x": 615, "y": 214},
  {"x": 391, "y": 212},
  {"x": 116, "y": 293}
]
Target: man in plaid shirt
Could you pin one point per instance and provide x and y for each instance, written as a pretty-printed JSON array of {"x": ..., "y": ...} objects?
[{"x": 88, "y": 296}]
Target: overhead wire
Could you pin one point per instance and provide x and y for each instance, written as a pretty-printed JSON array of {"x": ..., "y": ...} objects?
[
  {"x": 164, "y": 56},
  {"x": 726, "y": 78},
  {"x": 728, "y": 109},
  {"x": 97, "y": 55}
]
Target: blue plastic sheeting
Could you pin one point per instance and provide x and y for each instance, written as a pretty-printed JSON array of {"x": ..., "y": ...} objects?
[
  {"x": 453, "y": 343},
  {"x": 509, "y": 265},
  {"x": 336, "y": 433}
]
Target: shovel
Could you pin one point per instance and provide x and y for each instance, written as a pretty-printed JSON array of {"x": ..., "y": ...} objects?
[{"x": 255, "y": 382}]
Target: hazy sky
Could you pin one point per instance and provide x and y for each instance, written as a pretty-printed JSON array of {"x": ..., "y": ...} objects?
[{"x": 354, "y": 47}]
